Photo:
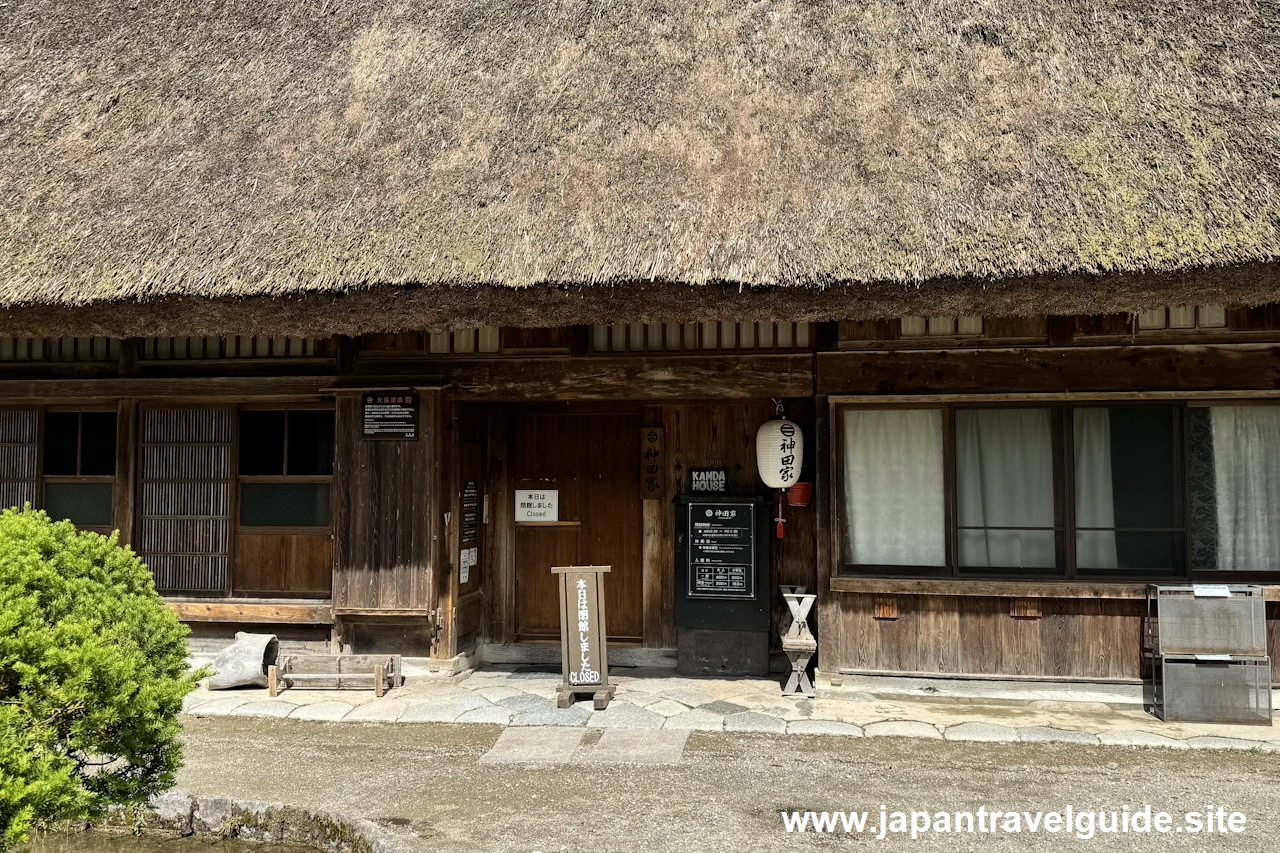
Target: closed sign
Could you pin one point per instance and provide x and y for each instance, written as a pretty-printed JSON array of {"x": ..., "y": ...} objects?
[{"x": 537, "y": 505}]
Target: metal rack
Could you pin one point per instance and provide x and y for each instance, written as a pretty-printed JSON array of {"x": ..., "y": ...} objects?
[{"x": 1205, "y": 655}]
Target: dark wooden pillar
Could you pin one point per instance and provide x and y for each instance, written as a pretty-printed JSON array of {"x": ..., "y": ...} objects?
[{"x": 125, "y": 489}]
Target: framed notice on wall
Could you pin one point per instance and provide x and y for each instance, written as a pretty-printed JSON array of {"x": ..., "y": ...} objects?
[{"x": 390, "y": 415}]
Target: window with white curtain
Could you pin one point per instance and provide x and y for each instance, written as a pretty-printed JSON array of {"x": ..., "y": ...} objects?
[
  {"x": 1126, "y": 495},
  {"x": 1233, "y": 470},
  {"x": 1005, "y": 488},
  {"x": 1128, "y": 490},
  {"x": 894, "y": 498}
]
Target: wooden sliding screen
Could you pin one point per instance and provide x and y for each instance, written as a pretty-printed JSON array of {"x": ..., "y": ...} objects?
[
  {"x": 186, "y": 478},
  {"x": 19, "y": 457}
]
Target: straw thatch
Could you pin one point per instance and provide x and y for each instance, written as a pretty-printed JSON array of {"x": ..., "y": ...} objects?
[{"x": 369, "y": 164}]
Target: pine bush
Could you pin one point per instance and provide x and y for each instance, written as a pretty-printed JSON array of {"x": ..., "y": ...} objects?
[{"x": 93, "y": 671}]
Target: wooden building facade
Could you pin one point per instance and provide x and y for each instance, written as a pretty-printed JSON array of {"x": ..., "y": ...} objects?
[
  {"x": 992, "y": 495},
  {"x": 1023, "y": 309}
]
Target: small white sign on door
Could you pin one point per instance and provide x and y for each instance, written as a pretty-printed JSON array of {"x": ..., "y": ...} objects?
[{"x": 537, "y": 505}]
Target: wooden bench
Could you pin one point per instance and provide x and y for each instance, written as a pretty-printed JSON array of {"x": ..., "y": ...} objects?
[{"x": 340, "y": 672}]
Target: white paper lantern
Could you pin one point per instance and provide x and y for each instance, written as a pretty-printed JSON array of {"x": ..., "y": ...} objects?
[{"x": 779, "y": 453}]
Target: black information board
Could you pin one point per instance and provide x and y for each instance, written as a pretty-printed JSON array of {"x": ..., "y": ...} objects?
[
  {"x": 722, "y": 552},
  {"x": 390, "y": 415},
  {"x": 470, "y": 512}
]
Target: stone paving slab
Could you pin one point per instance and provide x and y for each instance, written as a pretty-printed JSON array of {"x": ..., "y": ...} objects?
[
  {"x": 629, "y": 746},
  {"x": 1049, "y": 734},
  {"x": 823, "y": 727},
  {"x": 533, "y": 746},
  {"x": 752, "y": 721},
  {"x": 218, "y": 707},
  {"x": 981, "y": 732},
  {"x": 328, "y": 712},
  {"x": 268, "y": 708},
  {"x": 696, "y": 720},
  {"x": 622, "y": 715},
  {"x": 902, "y": 728},
  {"x": 657, "y": 701}
]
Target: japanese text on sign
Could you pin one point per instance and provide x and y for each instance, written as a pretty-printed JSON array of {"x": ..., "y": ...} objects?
[
  {"x": 584, "y": 673},
  {"x": 721, "y": 550},
  {"x": 787, "y": 463},
  {"x": 390, "y": 415},
  {"x": 651, "y": 443},
  {"x": 537, "y": 505}
]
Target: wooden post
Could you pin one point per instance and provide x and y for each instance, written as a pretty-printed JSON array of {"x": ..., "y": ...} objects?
[
  {"x": 378, "y": 686},
  {"x": 584, "y": 654},
  {"x": 271, "y": 681}
]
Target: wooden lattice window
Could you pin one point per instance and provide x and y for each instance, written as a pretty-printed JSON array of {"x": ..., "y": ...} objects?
[
  {"x": 235, "y": 346},
  {"x": 186, "y": 480},
  {"x": 19, "y": 457},
  {"x": 58, "y": 349},
  {"x": 701, "y": 337}
]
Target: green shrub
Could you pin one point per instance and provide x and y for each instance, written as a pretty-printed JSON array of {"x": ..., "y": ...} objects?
[{"x": 92, "y": 675}]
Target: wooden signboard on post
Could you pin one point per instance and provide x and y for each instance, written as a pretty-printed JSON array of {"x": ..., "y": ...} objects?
[{"x": 584, "y": 659}]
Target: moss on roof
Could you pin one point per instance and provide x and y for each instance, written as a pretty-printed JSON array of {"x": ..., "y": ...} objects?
[{"x": 883, "y": 156}]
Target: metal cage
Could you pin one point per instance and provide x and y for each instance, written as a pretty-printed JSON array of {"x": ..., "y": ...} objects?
[
  {"x": 1181, "y": 621},
  {"x": 1187, "y": 689}
]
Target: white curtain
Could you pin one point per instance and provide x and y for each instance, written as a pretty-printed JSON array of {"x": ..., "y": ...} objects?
[
  {"x": 1004, "y": 479},
  {"x": 1246, "y": 475},
  {"x": 1095, "y": 501},
  {"x": 893, "y": 487}
]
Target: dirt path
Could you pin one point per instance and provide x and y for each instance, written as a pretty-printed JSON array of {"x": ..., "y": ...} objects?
[{"x": 424, "y": 782}]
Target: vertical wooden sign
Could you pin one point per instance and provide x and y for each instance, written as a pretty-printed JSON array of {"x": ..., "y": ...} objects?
[
  {"x": 651, "y": 460},
  {"x": 584, "y": 659}
]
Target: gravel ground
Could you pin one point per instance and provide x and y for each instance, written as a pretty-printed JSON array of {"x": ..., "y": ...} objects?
[{"x": 424, "y": 783}]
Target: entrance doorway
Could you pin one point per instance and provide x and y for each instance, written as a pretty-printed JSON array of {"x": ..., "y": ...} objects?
[{"x": 592, "y": 460}]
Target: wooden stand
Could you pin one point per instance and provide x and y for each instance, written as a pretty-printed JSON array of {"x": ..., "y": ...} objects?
[
  {"x": 584, "y": 654},
  {"x": 798, "y": 641}
]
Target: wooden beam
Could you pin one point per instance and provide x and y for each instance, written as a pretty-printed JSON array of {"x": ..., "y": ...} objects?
[
  {"x": 233, "y": 611},
  {"x": 1003, "y": 589},
  {"x": 688, "y": 377},
  {"x": 1040, "y": 369}
]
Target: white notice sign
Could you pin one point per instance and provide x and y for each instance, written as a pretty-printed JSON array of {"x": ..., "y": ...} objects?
[
  {"x": 1211, "y": 590},
  {"x": 464, "y": 561},
  {"x": 537, "y": 505}
]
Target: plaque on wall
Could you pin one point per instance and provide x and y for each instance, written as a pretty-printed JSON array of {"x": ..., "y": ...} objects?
[
  {"x": 391, "y": 415},
  {"x": 470, "y": 512},
  {"x": 708, "y": 480},
  {"x": 722, "y": 552}
]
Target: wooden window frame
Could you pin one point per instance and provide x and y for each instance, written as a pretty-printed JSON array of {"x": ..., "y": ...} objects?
[
  {"x": 43, "y": 479},
  {"x": 1067, "y": 569},
  {"x": 242, "y": 479}
]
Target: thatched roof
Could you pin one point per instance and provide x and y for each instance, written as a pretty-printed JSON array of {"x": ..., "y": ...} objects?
[{"x": 361, "y": 164}]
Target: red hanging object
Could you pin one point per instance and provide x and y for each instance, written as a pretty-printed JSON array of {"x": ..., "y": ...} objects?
[{"x": 779, "y": 519}]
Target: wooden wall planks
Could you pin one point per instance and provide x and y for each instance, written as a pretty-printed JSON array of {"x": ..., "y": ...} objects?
[
  {"x": 385, "y": 518},
  {"x": 1075, "y": 638}
]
